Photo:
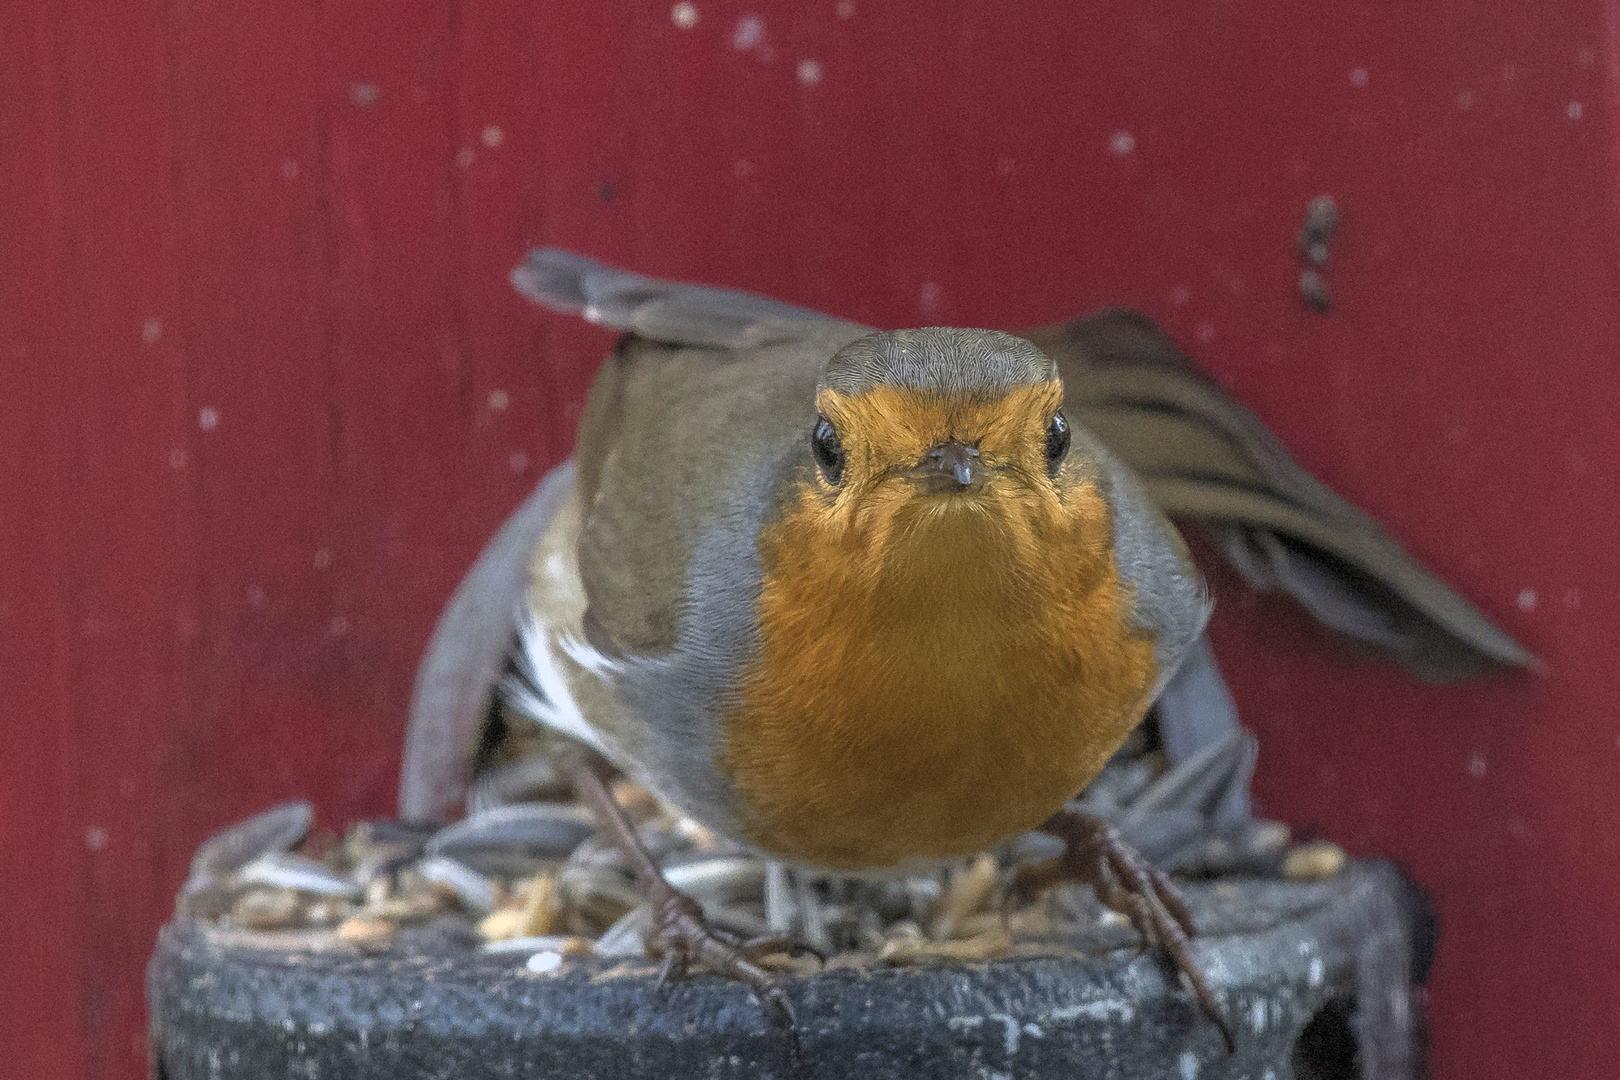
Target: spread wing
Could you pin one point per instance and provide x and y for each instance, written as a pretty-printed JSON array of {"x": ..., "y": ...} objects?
[{"x": 1203, "y": 456}]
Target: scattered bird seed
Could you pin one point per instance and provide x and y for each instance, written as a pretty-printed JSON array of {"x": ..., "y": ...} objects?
[
  {"x": 533, "y": 879},
  {"x": 267, "y": 909},
  {"x": 368, "y": 935},
  {"x": 967, "y": 893},
  {"x": 566, "y": 944},
  {"x": 286, "y": 870},
  {"x": 473, "y": 889},
  {"x": 625, "y": 938},
  {"x": 543, "y": 963},
  {"x": 276, "y": 829},
  {"x": 504, "y": 838},
  {"x": 1313, "y": 862},
  {"x": 906, "y": 944},
  {"x": 732, "y": 875}
]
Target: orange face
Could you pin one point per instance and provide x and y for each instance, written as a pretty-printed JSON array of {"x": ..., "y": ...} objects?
[
  {"x": 888, "y": 435},
  {"x": 942, "y": 664}
]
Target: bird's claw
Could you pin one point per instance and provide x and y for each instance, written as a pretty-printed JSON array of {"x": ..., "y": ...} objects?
[
  {"x": 761, "y": 947},
  {"x": 682, "y": 936},
  {"x": 1128, "y": 884}
]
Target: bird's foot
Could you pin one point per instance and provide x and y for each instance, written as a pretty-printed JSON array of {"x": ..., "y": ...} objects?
[
  {"x": 680, "y": 934},
  {"x": 682, "y": 937},
  {"x": 1128, "y": 884}
]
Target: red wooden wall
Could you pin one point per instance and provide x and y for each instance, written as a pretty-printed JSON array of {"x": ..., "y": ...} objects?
[{"x": 264, "y": 390}]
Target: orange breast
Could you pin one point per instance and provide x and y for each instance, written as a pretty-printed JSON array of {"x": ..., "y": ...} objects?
[{"x": 934, "y": 681}]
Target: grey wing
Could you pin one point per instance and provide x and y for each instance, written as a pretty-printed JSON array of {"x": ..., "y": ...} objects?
[
  {"x": 1202, "y": 455},
  {"x": 466, "y": 656},
  {"x": 673, "y": 312}
]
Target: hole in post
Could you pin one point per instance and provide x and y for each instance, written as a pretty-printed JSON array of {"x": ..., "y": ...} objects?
[{"x": 1326, "y": 1049}]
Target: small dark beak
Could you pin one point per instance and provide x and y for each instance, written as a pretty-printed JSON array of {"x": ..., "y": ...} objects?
[{"x": 949, "y": 467}]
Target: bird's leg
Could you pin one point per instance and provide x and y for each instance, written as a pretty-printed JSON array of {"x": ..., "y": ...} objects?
[
  {"x": 1128, "y": 884},
  {"x": 680, "y": 934}
]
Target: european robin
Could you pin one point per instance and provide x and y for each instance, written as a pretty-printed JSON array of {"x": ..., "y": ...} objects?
[{"x": 868, "y": 601}]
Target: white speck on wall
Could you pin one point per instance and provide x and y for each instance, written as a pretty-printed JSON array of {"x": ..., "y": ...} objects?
[
  {"x": 1205, "y": 332},
  {"x": 493, "y": 136},
  {"x": 684, "y": 15},
  {"x": 340, "y": 626},
  {"x": 1574, "y": 110},
  {"x": 498, "y": 400},
  {"x": 1188, "y": 1063},
  {"x": 208, "y": 418},
  {"x": 518, "y": 461},
  {"x": 1476, "y": 765},
  {"x": 928, "y": 297},
  {"x": 1358, "y": 77},
  {"x": 1527, "y": 599},
  {"x": 809, "y": 72},
  {"x": 1316, "y": 972},
  {"x": 1465, "y": 100},
  {"x": 151, "y": 330},
  {"x": 1122, "y": 143},
  {"x": 365, "y": 94},
  {"x": 95, "y": 838},
  {"x": 289, "y": 169},
  {"x": 177, "y": 458},
  {"x": 543, "y": 963},
  {"x": 255, "y": 596},
  {"x": 1180, "y": 295},
  {"x": 323, "y": 559},
  {"x": 464, "y": 157},
  {"x": 846, "y": 9},
  {"x": 749, "y": 33}
]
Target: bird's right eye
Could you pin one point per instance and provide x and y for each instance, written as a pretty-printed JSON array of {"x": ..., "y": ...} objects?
[{"x": 828, "y": 451}]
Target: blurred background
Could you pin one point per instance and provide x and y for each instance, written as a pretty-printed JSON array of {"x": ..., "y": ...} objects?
[{"x": 265, "y": 391}]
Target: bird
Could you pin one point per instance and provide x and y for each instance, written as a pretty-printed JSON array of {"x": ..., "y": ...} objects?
[{"x": 868, "y": 601}]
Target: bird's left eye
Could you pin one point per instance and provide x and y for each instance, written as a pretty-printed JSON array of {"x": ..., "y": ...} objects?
[
  {"x": 828, "y": 450},
  {"x": 1057, "y": 442}
]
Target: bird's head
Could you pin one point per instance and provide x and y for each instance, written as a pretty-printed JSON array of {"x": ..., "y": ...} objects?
[{"x": 942, "y": 437}]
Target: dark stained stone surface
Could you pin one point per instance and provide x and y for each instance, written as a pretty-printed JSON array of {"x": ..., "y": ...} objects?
[{"x": 1316, "y": 980}]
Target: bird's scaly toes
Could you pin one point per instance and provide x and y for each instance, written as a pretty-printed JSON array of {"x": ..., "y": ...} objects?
[
  {"x": 1127, "y": 883},
  {"x": 683, "y": 937}
]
